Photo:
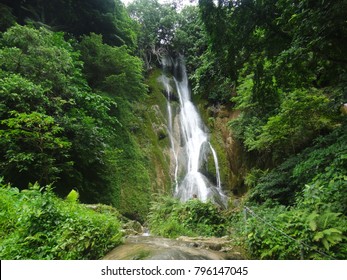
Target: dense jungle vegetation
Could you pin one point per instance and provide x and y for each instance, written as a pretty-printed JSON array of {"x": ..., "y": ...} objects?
[{"x": 77, "y": 88}]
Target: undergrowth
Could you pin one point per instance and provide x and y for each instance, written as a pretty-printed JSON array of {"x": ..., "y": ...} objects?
[
  {"x": 299, "y": 208},
  {"x": 171, "y": 218},
  {"x": 35, "y": 224}
]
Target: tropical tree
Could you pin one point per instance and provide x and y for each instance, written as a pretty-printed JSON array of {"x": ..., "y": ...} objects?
[
  {"x": 54, "y": 128},
  {"x": 157, "y": 25},
  {"x": 78, "y": 17}
]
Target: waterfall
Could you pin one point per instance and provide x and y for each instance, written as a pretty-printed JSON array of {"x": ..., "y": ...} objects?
[{"x": 189, "y": 139}]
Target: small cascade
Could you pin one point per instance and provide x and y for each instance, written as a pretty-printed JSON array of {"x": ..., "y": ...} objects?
[
  {"x": 189, "y": 139},
  {"x": 166, "y": 82},
  {"x": 146, "y": 232},
  {"x": 215, "y": 158}
]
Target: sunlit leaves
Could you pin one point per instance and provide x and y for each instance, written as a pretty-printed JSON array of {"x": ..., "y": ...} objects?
[
  {"x": 72, "y": 196},
  {"x": 35, "y": 224},
  {"x": 20, "y": 94},
  {"x": 43, "y": 57}
]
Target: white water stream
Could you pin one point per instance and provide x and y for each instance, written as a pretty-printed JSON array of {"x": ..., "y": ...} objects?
[{"x": 190, "y": 144}]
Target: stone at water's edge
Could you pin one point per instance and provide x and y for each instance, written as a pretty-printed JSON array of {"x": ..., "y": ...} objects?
[{"x": 157, "y": 248}]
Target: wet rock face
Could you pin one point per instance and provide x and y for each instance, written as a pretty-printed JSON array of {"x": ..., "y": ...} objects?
[
  {"x": 133, "y": 228},
  {"x": 184, "y": 248},
  {"x": 232, "y": 156},
  {"x": 223, "y": 245}
]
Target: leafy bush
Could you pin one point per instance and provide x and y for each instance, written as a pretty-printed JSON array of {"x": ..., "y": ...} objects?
[
  {"x": 313, "y": 184},
  {"x": 277, "y": 184},
  {"x": 170, "y": 218},
  {"x": 302, "y": 114},
  {"x": 35, "y": 224},
  {"x": 277, "y": 232},
  {"x": 323, "y": 164}
]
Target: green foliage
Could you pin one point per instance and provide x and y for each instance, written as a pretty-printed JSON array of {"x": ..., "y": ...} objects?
[
  {"x": 323, "y": 165},
  {"x": 318, "y": 36},
  {"x": 276, "y": 232},
  {"x": 253, "y": 176},
  {"x": 33, "y": 147},
  {"x": 8, "y": 214},
  {"x": 131, "y": 175},
  {"x": 60, "y": 123},
  {"x": 60, "y": 128},
  {"x": 79, "y": 17},
  {"x": 6, "y": 17},
  {"x": 170, "y": 218},
  {"x": 209, "y": 80},
  {"x": 43, "y": 57},
  {"x": 21, "y": 95},
  {"x": 314, "y": 184},
  {"x": 305, "y": 38},
  {"x": 325, "y": 194},
  {"x": 67, "y": 133},
  {"x": 302, "y": 114},
  {"x": 156, "y": 24},
  {"x": 35, "y": 224},
  {"x": 279, "y": 69},
  {"x": 111, "y": 69},
  {"x": 168, "y": 29},
  {"x": 72, "y": 196},
  {"x": 190, "y": 38}
]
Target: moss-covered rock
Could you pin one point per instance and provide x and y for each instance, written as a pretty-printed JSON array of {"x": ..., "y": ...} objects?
[
  {"x": 143, "y": 160},
  {"x": 231, "y": 156}
]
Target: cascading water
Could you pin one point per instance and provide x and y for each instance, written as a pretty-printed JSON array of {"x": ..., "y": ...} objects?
[{"x": 189, "y": 143}]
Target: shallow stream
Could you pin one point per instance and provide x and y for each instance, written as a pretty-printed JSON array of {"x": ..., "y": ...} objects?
[{"x": 158, "y": 248}]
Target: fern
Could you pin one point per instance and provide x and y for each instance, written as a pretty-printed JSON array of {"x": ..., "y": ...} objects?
[{"x": 72, "y": 196}]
